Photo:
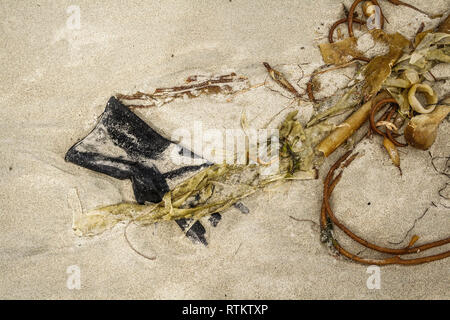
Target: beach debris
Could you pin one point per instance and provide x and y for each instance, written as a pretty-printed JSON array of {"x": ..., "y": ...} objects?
[
  {"x": 392, "y": 130},
  {"x": 369, "y": 7},
  {"x": 394, "y": 80},
  {"x": 402, "y": 3},
  {"x": 401, "y": 72},
  {"x": 409, "y": 71},
  {"x": 375, "y": 108},
  {"x": 444, "y": 26},
  {"x": 431, "y": 49},
  {"x": 241, "y": 207},
  {"x": 328, "y": 220},
  {"x": 374, "y": 20},
  {"x": 198, "y": 85},
  {"x": 215, "y": 187},
  {"x": 314, "y": 85},
  {"x": 347, "y": 128},
  {"x": 430, "y": 95},
  {"x": 279, "y": 78},
  {"x": 392, "y": 152},
  {"x": 211, "y": 189},
  {"x": 296, "y": 152},
  {"x": 310, "y": 87},
  {"x": 369, "y": 11},
  {"x": 341, "y": 52},
  {"x": 421, "y": 130},
  {"x": 125, "y": 147},
  {"x": 389, "y": 142},
  {"x": 380, "y": 67},
  {"x": 341, "y": 21},
  {"x": 349, "y": 100}
]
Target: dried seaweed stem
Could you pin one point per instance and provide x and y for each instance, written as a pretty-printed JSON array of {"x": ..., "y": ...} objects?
[{"x": 328, "y": 219}]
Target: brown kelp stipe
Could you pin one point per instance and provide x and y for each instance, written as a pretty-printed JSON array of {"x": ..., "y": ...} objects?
[
  {"x": 328, "y": 220},
  {"x": 310, "y": 90},
  {"x": 388, "y": 134},
  {"x": 281, "y": 80},
  {"x": 337, "y": 23}
]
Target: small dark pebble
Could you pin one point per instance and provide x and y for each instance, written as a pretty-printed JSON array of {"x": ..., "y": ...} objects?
[
  {"x": 241, "y": 207},
  {"x": 214, "y": 219}
]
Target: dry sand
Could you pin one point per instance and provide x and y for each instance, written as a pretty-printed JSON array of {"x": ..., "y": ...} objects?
[{"x": 55, "y": 82}]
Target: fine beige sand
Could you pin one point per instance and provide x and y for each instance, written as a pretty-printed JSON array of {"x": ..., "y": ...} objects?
[{"x": 55, "y": 82}]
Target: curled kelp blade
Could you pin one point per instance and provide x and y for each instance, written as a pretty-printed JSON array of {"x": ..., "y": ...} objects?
[{"x": 410, "y": 69}]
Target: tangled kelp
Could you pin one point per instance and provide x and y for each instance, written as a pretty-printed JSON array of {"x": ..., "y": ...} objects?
[
  {"x": 328, "y": 220},
  {"x": 390, "y": 79},
  {"x": 215, "y": 188},
  {"x": 410, "y": 69},
  {"x": 197, "y": 191},
  {"x": 379, "y": 68},
  {"x": 401, "y": 72}
]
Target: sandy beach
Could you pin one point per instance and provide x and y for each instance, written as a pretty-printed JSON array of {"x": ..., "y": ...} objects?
[{"x": 56, "y": 80}]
